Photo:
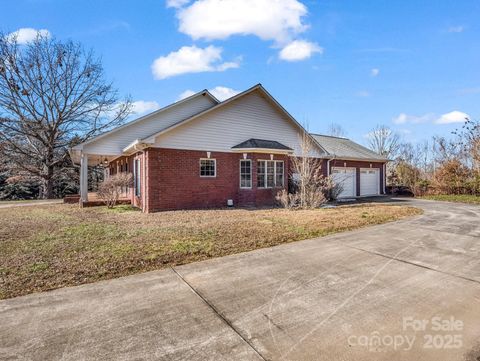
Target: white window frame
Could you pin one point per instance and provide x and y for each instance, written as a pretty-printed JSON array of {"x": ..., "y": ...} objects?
[
  {"x": 200, "y": 168},
  {"x": 240, "y": 173},
  {"x": 137, "y": 164},
  {"x": 274, "y": 174}
]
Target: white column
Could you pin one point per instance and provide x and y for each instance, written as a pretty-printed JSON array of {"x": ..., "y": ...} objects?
[{"x": 84, "y": 177}]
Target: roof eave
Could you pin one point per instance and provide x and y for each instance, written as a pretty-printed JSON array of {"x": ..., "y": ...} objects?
[{"x": 262, "y": 150}]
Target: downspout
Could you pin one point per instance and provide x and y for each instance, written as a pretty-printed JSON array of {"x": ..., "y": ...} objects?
[{"x": 328, "y": 165}]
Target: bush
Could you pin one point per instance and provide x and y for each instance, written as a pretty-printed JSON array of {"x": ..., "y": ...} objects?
[
  {"x": 318, "y": 191},
  {"x": 452, "y": 177},
  {"x": 110, "y": 189}
]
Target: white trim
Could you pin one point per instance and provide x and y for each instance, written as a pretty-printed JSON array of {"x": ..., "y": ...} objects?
[
  {"x": 240, "y": 173},
  {"x": 274, "y": 173},
  {"x": 261, "y": 150},
  {"x": 200, "y": 168},
  {"x": 384, "y": 180},
  {"x": 84, "y": 177}
]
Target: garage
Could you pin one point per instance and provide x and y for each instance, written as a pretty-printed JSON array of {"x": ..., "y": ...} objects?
[
  {"x": 346, "y": 177},
  {"x": 369, "y": 181}
]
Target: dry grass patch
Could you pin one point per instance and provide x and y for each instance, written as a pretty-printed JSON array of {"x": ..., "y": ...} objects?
[{"x": 47, "y": 247}]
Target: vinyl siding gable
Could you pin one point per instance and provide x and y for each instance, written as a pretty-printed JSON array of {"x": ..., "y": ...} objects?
[
  {"x": 114, "y": 143},
  {"x": 250, "y": 116}
]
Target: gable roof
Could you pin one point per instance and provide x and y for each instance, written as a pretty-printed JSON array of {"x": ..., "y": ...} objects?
[
  {"x": 204, "y": 92},
  {"x": 344, "y": 148},
  {"x": 261, "y": 143},
  {"x": 257, "y": 87}
]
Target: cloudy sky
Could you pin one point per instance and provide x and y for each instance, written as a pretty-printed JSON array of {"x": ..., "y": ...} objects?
[{"x": 412, "y": 65}]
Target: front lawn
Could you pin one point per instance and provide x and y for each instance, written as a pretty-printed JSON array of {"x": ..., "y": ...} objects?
[
  {"x": 47, "y": 247},
  {"x": 462, "y": 198}
]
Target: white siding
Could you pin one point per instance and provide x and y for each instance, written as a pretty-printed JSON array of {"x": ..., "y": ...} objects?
[
  {"x": 250, "y": 116},
  {"x": 112, "y": 144}
]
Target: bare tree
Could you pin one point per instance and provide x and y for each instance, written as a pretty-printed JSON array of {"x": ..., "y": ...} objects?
[
  {"x": 52, "y": 94},
  {"x": 336, "y": 130},
  {"x": 111, "y": 188},
  {"x": 384, "y": 141},
  {"x": 469, "y": 139},
  {"x": 310, "y": 188}
]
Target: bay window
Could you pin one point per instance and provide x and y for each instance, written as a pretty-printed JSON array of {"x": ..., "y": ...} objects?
[{"x": 270, "y": 173}]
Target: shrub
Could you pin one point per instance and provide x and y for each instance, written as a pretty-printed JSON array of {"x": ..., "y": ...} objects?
[
  {"x": 111, "y": 188},
  {"x": 452, "y": 177}
]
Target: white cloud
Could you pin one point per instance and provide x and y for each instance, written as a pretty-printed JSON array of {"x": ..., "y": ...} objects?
[
  {"x": 177, "y": 3},
  {"x": 143, "y": 107},
  {"x": 404, "y": 118},
  {"x": 362, "y": 93},
  {"x": 26, "y": 35},
  {"x": 452, "y": 117},
  {"x": 448, "y": 118},
  {"x": 278, "y": 20},
  {"x": 456, "y": 29},
  {"x": 220, "y": 92},
  {"x": 374, "y": 72},
  {"x": 186, "y": 94},
  {"x": 299, "y": 50},
  {"x": 191, "y": 59}
]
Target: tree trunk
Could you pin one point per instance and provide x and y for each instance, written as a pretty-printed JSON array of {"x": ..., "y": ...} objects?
[{"x": 47, "y": 191}]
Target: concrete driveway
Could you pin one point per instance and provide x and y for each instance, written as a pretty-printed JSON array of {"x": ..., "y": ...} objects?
[{"x": 408, "y": 290}]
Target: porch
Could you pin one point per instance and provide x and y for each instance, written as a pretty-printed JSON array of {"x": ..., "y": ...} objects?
[{"x": 94, "y": 200}]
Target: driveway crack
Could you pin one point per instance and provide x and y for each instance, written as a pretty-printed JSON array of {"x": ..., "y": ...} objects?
[
  {"x": 214, "y": 309},
  {"x": 413, "y": 264}
]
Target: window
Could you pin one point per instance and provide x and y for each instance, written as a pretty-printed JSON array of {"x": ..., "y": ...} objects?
[
  {"x": 270, "y": 173},
  {"x": 208, "y": 168},
  {"x": 279, "y": 174},
  {"x": 246, "y": 173},
  {"x": 136, "y": 171}
]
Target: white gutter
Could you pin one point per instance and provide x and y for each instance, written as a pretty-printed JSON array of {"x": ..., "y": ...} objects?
[{"x": 135, "y": 146}]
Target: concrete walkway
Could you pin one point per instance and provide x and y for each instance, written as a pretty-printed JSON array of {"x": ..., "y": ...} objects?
[
  {"x": 12, "y": 204},
  {"x": 351, "y": 296}
]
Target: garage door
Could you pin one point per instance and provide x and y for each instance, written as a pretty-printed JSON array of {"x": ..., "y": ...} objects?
[
  {"x": 369, "y": 182},
  {"x": 346, "y": 177}
]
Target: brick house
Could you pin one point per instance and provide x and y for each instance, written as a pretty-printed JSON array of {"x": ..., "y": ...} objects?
[{"x": 200, "y": 152}]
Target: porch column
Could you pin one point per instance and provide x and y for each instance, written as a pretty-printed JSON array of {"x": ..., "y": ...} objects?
[{"x": 84, "y": 177}]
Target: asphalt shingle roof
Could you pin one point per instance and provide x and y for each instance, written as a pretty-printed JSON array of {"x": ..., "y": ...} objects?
[
  {"x": 261, "y": 143},
  {"x": 345, "y": 148}
]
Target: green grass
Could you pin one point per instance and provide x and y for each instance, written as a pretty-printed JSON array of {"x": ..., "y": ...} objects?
[
  {"x": 461, "y": 198},
  {"x": 52, "y": 246}
]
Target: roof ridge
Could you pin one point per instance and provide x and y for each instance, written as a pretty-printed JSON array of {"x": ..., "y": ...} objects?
[{"x": 330, "y": 136}]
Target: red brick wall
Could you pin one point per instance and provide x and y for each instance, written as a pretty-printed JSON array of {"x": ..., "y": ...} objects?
[
  {"x": 174, "y": 182},
  {"x": 170, "y": 179}
]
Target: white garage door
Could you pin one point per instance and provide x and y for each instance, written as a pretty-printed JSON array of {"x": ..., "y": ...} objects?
[
  {"x": 346, "y": 177},
  {"x": 369, "y": 181}
]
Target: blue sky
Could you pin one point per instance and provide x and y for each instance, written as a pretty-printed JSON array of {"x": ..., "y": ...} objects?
[{"x": 411, "y": 65}]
